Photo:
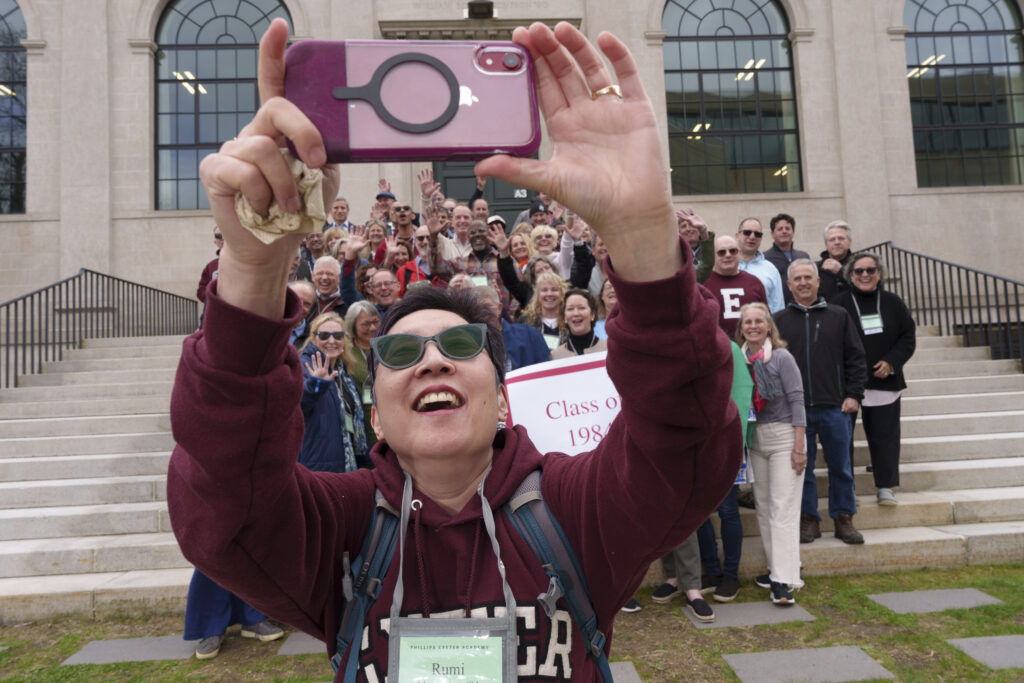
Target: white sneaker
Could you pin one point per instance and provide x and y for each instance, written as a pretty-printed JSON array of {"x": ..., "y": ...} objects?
[{"x": 886, "y": 498}]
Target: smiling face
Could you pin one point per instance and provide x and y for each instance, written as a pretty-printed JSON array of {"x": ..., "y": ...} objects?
[
  {"x": 480, "y": 209},
  {"x": 315, "y": 243},
  {"x": 782, "y": 234},
  {"x": 837, "y": 243},
  {"x": 478, "y": 236},
  {"x": 754, "y": 326},
  {"x": 439, "y": 406},
  {"x": 690, "y": 234},
  {"x": 544, "y": 242},
  {"x": 865, "y": 281},
  {"x": 375, "y": 235},
  {"x": 579, "y": 317},
  {"x": 518, "y": 249},
  {"x": 326, "y": 279},
  {"x": 339, "y": 211},
  {"x": 385, "y": 288},
  {"x": 727, "y": 256},
  {"x": 461, "y": 217},
  {"x": 600, "y": 251},
  {"x": 550, "y": 297},
  {"x": 330, "y": 347},
  {"x": 366, "y": 326},
  {"x": 803, "y": 283},
  {"x": 608, "y": 296}
]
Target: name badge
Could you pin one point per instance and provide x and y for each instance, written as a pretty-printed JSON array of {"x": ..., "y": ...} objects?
[
  {"x": 349, "y": 425},
  {"x": 367, "y": 396},
  {"x": 479, "y": 280},
  {"x": 552, "y": 341},
  {"x": 871, "y": 324},
  {"x": 444, "y": 659}
]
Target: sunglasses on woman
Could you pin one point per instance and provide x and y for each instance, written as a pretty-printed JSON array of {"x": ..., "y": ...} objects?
[
  {"x": 324, "y": 335},
  {"x": 400, "y": 351},
  {"x": 861, "y": 271}
]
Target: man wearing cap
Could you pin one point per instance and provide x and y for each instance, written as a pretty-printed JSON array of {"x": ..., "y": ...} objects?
[{"x": 539, "y": 213}]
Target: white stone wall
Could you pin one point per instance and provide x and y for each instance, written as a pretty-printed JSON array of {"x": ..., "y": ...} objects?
[{"x": 91, "y": 157}]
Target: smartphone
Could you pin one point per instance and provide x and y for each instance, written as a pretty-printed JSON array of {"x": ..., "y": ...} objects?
[{"x": 397, "y": 100}]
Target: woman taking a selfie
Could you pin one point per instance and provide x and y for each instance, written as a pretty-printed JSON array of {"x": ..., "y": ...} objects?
[{"x": 447, "y": 460}]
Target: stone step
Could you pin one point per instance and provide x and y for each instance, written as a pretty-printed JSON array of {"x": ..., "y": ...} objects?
[
  {"x": 945, "y": 448},
  {"x": 949, "y": 369},
  {"x": 82, "y": 466},
  {"x": 938, "y": 405},
  {"x": 109, "y": 406},
  {"x": 84, "y": 520},
  {"x": 103, "y": 352},
  {"x": 133, "y": 342},
  {"x": 948, "y": 425},
  {"x": 939, "y": 476},
  {"x": 40, "y": 598},
  {"x": 89, "y": 491},
  {"x": 936, "y": 342},
  {"x": 899, "y": 549},
  {"x": 943, "y": 386},
  {"x": 85, "y": 554},
  {"x": 930, "y": 508},
  {"x": 86, "y": 392},
  {"x": 78, "y": 426},
  {"x": 111, "y": 364},
  {"x": 106, "y": 377},
  {"x": 952, "y": 353},
  {"x": 141, "y": 442}
]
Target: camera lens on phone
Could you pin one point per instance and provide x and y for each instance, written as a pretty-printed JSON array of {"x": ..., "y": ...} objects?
[{"x": 512, "y": 60}]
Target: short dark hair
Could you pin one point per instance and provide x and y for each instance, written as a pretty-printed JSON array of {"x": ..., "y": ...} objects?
[
  {"x": 781, "y": 217},
  {"x": 585, "y": 293},
  {"x": 462, "y": 303}
]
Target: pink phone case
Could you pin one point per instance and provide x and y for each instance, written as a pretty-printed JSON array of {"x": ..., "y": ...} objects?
[{"x": 395, "y": 100}]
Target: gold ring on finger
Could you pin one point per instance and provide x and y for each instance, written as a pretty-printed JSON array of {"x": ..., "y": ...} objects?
[{"x": 607, "y": 90}]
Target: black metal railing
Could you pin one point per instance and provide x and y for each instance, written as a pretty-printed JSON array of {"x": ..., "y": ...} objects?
[
  {"x": 984, "y": 309},
  {"x": 38, "y": 327}
]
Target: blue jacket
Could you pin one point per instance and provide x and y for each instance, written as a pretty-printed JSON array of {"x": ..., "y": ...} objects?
[
  {"x": 524, "y": 345},
  {"x": 326, "y": 439}
]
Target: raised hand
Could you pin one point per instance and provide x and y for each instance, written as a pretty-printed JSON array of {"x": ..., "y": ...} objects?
[
  {"x": 481, "y": 182},
  {"x": 691, "y": 217},
  {"x": 383, "y": 185},
  {"x": 574, "y": 228},
  {"x": 356, "y": 241},
  {"x": 320, "y": 368},
  {"x": 607, "y": 162},
  {"x": 427, "y": 185},
  {"x": 496, "y": 235},
  {"x": 431, "y": 217},
  {"x": 252, "y": 275}
]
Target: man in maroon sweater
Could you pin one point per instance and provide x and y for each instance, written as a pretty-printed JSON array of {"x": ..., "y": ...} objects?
[
  {"x": 276, "y": 533},
  {"x": 731, "y": 287}
]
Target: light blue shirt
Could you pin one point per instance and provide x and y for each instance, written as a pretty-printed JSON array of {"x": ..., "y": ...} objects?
[{"x": 768, "y": 274}]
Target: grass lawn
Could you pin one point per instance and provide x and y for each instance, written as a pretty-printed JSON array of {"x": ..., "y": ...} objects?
[{"x": 659, "y": 640}]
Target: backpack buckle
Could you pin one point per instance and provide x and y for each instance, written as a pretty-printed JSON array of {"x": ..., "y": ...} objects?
[{"x": 547, "y": 600}]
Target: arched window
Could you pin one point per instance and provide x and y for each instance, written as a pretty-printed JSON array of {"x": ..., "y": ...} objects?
[
  {"x": 205, "y": 87},
  {"x": 731, "y": 104},
  {"x": 964, "y": 63},
  {"x": 12, "y": 108}
]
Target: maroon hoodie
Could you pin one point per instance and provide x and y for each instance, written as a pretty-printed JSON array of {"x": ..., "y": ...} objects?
[{"x": 250, "y": 517}]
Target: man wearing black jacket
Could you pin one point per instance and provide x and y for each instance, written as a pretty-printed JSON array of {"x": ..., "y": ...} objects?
[{"x": 823, "y": 339}]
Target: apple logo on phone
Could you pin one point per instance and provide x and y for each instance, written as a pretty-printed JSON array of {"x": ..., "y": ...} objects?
[{"x": 466, "y": 96}]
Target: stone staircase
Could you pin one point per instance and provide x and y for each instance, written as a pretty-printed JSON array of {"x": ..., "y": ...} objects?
[{"x": 84, "y": 448}]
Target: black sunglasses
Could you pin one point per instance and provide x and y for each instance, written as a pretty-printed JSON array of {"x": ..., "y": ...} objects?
[
  {"x": 324, "y": 336},
  {"x": 748, "y": 233},
  {"x": 870, "y": 270},
  {"x": 218, "y": 236},
  {"x": 401, "y": 208},
  {"x": 723, "y": 252},
  {"x": 400, "y": 351}
]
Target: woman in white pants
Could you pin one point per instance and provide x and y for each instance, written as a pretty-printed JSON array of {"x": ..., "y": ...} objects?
[{"x": 778, "y": 451}]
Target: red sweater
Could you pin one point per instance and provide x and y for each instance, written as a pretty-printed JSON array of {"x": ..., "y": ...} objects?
[{"x": 273, "y": 532}]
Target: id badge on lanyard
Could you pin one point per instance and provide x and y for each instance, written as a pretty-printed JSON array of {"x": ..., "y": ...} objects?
[
  {"x": 871, "y": 324},
  {"x": 440, "y": 650}
]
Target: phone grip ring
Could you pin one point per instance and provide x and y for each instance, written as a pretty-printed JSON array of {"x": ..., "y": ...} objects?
[{"x": 371, "y": 93}]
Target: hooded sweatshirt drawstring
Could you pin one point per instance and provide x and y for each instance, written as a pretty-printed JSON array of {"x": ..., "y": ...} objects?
[
  {"x": 472, "y": 565},
  {"x": 417, "y": 532}
]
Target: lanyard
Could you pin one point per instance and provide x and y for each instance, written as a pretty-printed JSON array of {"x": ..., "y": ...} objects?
[{"x": 870, "y": 324}]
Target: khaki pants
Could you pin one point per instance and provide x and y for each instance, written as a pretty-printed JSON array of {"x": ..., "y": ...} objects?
[{"x": 777, "y": 491}]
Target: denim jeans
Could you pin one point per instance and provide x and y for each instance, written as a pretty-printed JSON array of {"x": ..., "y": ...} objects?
[
  {"x": 833, "y": 428},
  {"x": 732, "y": 538}
]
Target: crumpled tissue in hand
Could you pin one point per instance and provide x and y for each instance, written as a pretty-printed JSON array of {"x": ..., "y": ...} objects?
[{"x": 310, "y": 217}]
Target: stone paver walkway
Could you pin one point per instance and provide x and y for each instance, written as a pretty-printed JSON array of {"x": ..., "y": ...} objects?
[
  {"x": 133, "y": 650},
  {"x": 751, "y": 614},
  {"x": 624, "y": 672},
  {"x": 924, "y": 602},
  {"x": 816, "y": 665},
  {"x": 299, "y": 643},
  {"x": 995, "y": 652}
]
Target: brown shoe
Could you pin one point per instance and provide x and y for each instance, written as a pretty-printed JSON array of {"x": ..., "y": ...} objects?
[
  {"x": 810, "y": 528},
  {"x": 845, "y": 531}
]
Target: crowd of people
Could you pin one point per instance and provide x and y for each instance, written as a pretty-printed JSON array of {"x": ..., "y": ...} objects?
[{"x": 420, "y": 311}]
